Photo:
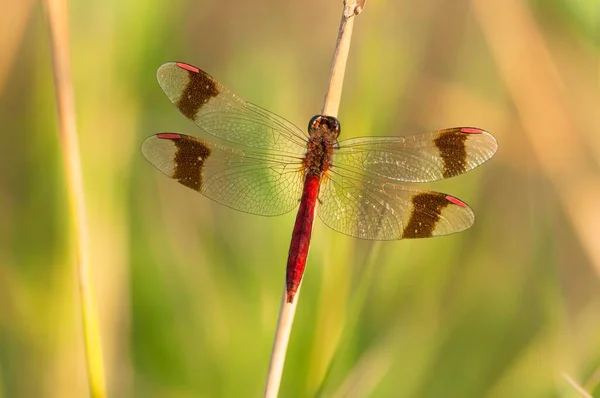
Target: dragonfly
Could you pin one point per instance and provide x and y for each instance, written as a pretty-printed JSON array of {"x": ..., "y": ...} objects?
[{"x": 262, "y": 164}]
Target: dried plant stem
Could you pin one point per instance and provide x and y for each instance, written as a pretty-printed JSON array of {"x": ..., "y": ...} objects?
[
  {"x": 330, "y": 108},
  {"x": 576, "y": 386},
  {"x": 59, "y": 41},
  {"x": 280, "y": 342},
  {"x": 333, "y": 96}
]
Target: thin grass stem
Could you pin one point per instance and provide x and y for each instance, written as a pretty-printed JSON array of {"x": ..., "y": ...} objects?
[
  {"x": 576, "y": 386},
  {"x": 56, "y": 11},
  {"x": 330, "y": 107},
  {"x": 280, "y": 343}
]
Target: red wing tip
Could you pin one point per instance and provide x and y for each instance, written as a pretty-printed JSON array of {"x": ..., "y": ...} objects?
[
  {"x": 188, "y": 67},
  {"x": 168, "y": 136},
  {"x": 456, "y": 201},
  {"x": 471, "y": 130}
]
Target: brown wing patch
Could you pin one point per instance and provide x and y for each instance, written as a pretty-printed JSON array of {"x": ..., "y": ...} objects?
[
  {"x": 451, "y": 144},
  {"x": 189, "y": 160},
  {"x": 427, "y": 208},
  {"x": 199, "y": 90}
]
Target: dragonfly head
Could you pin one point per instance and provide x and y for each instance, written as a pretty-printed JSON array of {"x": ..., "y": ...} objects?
[{"x": 322, "y": 123}]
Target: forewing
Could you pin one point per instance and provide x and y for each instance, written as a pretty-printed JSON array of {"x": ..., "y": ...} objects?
[
  {"x": 380, "y": 210},
  {"x": 220, "y": 112},
  {"x": 249, "y": 181},
  {"x": 418, "y": 158}
]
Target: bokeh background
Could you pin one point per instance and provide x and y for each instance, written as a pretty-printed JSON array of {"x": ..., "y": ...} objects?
[{"x": 188, "y": 290}]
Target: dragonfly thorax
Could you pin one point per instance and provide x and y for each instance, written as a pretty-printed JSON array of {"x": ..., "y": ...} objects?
[{"x": 323, "y": 132}]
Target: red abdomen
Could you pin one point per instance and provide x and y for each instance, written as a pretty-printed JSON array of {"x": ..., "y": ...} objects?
[{"x": 301, "y": 235}]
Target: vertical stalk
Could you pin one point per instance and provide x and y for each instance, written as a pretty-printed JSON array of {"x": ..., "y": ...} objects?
[
  {"x": 331, "y": 104},
  {"x": 56, "y": 11},
  {"x": 330, "y": 108},
  {"x": 280, "y": 342}
]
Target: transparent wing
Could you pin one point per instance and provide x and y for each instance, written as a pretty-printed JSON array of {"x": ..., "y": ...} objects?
[
  {"x": 366, "y": 208},
  {"x": 418, "y": 158},
  {"x": 220, "y": 112},
  {"x": 249, "y": 181}
]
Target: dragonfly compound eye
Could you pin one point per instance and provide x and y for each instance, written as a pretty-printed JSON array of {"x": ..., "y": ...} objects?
[
  {"x": 334, "y": 126},
  {"x": 314, "y": 122},
  {"x": 330, "y": 123}
]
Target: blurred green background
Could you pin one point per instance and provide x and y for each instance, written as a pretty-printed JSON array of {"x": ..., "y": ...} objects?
[{"x": 188, "y": 290}]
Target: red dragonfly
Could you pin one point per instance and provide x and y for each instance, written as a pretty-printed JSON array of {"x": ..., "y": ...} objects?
[{"x": 266, "y": 166}]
